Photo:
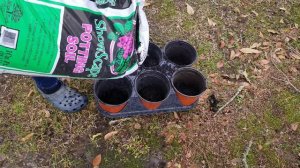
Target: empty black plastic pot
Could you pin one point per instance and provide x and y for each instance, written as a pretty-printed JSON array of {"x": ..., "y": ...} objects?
[
  {"x": 189, "y": 84},
  {"x": 154, "y": 56},
  {"x": 180, "y": 53},
  {"x": 113, "y": 95},
  {"x": 153, "y": 88}
]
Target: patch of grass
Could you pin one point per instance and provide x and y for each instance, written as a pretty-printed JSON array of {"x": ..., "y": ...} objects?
[
  {"x": 18, "y": 107},
  {"x": 188, "y": 24},
  {"x": 273, "y": 121},
  {"x": 137, "y": 147},
  {"x": 295, "y": 13},
  {"x": 167, "y": 10},
  {"x": 173, "y": 151},
  {"x": 209, "y": 65},
  {"x": 114, "y": 158},
  {"x": 290, "y": 104}
]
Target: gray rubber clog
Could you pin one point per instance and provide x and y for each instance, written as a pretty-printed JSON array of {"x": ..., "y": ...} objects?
[{"x": 66, "y": 99}]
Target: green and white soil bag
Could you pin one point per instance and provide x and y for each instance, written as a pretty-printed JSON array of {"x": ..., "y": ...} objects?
[{"x": 101, "y": 39}]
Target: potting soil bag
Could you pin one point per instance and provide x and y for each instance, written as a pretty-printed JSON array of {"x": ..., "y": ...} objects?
[{"x": 73, "y": 38}]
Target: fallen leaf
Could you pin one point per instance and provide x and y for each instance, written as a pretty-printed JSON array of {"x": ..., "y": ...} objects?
[
  {"x": 255, "y": 45},
  {"x": 97, "y": 161},
  {"x": 236, "y": 10},
  {"x": 231, "y": 40},
  {"x": 95, "y": 136},
  {"x": 273, "y": 31},
  {"x": 261, "y": 35},
  {"x": 27, "y": 137},
  {"x": 255, "y": 13},
  {"x": 137, "y": 126},
  {"x": 297, "y": 57},
  {"x": 232, "y": 55},
  {"x": 260, "y": 147},
  {"x": 281, "y": 21},
  {"x": 246, "y": 76},
  {"x": 170, "y": 139},
  {"x": 110, "y": 135},
  {"x": 250, "y": 51},
  {"x": 294, "y": 126},
  {"x": 264, "y": 62},
  {"x": 147, "y": 4},
  {"x": 211, "y": 23},
  {"x": 190, "y": 9},
  {"x": 220, "y": 64},
  {"x": 222, "y": 44},
  {"x": 282, "y": 8},
  {"x": 296, "y": 26},
  {"x": 114, "y": 122}
]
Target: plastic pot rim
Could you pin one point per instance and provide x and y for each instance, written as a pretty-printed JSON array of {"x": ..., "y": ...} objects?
[
  {"x": 113, "y": 105},
  {"x": 152, "y": 72},
  {"x": 190, "y": 69}
]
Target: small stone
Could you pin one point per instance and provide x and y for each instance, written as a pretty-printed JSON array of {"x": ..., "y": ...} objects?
[{"x": 137, "y": 126}]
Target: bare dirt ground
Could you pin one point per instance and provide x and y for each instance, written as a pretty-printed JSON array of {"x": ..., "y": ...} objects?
[{"x": 264, "y": 119}]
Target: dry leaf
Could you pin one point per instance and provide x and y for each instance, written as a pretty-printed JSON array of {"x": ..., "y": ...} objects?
[
  {"x": 220, "y": 64},
  {"x": 283, "y": 9},
  {"x": 295, "y": 56},
  {"x": 188, "y": 154},
  {"x": 261, "y": 35},
  {"x": 232, "y": 55},
  {"x": 255, "y": 45},
  {"x": 147, "y": 4},
  {"x": 170, "y": 139},
  {"x": 190, "y": 9},
  {"x": 250, "y": 51},
  {"x": 222, "y": 44},
  {"x": 264, "y": 62},
  {"x": 211, "y": 23},
  {"x": 95, "y": 136},
  {"x": 137, "y": 126},
  {"x": 27, "y": 137},
  {"x": 273, "y": 31},
  {"x": 260, "y": 147},
  {"x": 294, "y": 126},
  {"x": 97, "y": 161},
  {"x": 255, "y": 13},
  {"x": 110, "y": 135},
  {"x": 281, "y": 21}
]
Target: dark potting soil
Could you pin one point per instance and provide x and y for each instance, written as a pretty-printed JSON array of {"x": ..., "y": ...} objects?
[
  {"x": 114, "y": 97},
  {"x": 187, "y": 89},
  {"x": 153, "y": 93},
  {"x": 151, "y": 61}
]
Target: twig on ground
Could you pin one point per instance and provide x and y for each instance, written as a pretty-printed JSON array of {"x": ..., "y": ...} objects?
[
  {"x": 236, "y": 94},
  {"x": 246, "y": 154},
  {"x": 286, "y": 80}
]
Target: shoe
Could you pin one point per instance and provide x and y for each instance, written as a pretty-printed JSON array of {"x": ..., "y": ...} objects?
[{"x": 66, "y": 99}]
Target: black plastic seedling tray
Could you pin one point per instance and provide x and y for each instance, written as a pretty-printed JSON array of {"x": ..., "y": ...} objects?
[{"x": 135, "y": 107}]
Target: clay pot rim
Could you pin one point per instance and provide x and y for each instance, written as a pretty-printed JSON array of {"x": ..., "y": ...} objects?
[
  {"x": 113, "y": 105},
  {"x": 152, "y": 72},
  {"x": 190, "y": 69}
]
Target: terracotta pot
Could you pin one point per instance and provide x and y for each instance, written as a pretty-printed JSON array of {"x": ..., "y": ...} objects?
[
  {"x": 153, "y": 88},
  {"x": 188, "y": 84},
  {"x": 113, "y": 95},
  {"x": 180, "y": 53}
]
